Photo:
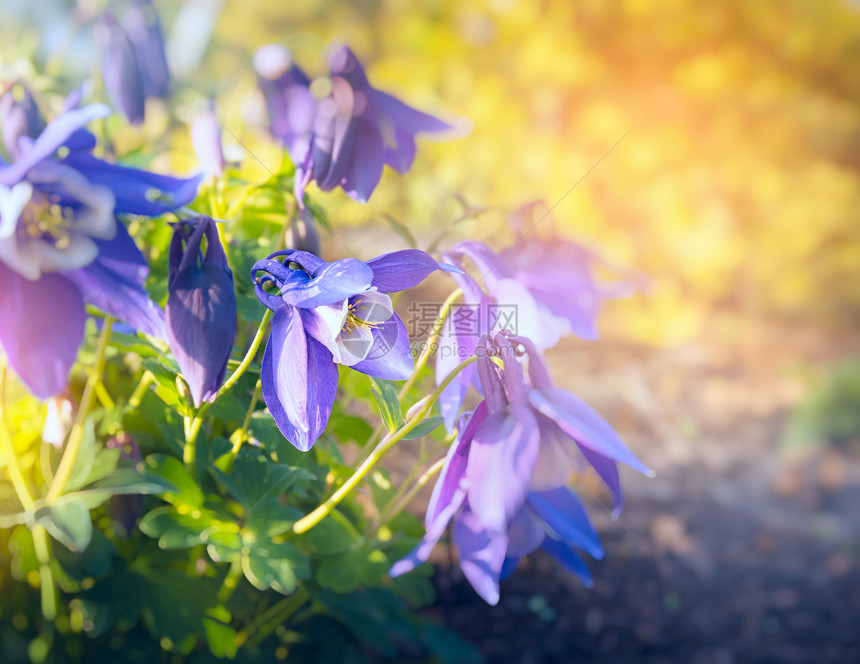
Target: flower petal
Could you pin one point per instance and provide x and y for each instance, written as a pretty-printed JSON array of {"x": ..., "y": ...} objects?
[
  {"x": 563, "y": 512},
  {"x": 41, "y": 329},
  {"x": 569, "y": 559},
  {"x": 390, "y": 357},
  {"x": 582, "y": 423},
  {"x": 336, "y": 281},
  {"x": 525, "y": 534},
  {"x": 400, "y": 270},
  {"x": 366, "y": 161},
  {"x": 299, "y": 380},
  {"x": 501, "y": 461},
  {"x": 482, "y": 555},
  {"x": 114, "y": 282},
  {"x": 405, "y": 117}
]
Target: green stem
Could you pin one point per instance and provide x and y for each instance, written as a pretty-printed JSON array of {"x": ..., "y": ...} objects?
[
  {"x": 230, "y": 581},
  {"x": 277, "y": 615},
  {"x": 309, "y": 521},
  {"x": 433, "y": 339},
  {"x": 242, "y": 435},
  {"x": 73, "y": 446},
  {"x": 197, "y": 420},
  {"x": 137, "y": 396},
  {"x": 41, "y": 544},
  {"x": 398, "y": 503}
]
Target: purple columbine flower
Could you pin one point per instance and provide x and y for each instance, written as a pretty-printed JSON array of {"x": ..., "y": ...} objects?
[
  {"x": 303, "y": 234},
  {"x": 327, "y": 314},
  {"x": 61, "y": 246},
  {"x": 544, "y": 289},
  {"x": 502, "y": 483},
  {"x": 339, "y": 130},
  {"x": 201, "y": 306},
  {"x": 120, "y": 71},
  {"x": 143, "y": 29}
]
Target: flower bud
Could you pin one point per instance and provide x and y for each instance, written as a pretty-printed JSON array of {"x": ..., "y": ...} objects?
[
  {"x": 201, "y": 306},
  {"x": 120, "y": 70}
]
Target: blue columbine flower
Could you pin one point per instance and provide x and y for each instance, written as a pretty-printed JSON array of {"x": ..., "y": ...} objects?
[
  {"x": 61, "y": 246},
  {"x": 143, "y": 28},
  {"x": 502, "y": 483},
  {"x": 339, "y": 130},
  {"x": 327, "y": 314},
  {"x": 201, "y": 306}
]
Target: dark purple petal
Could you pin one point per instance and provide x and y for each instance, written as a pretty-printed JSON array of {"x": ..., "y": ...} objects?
[
  {"x": 337, "y": 281},
  {"x": 299, "y": 380},
  {"x": 201, "y": 309},
  {"x": 342, "y": 62},
  {"x": 400, "y": 270},
  {"x": 508, "y": 567},
  {"x": 512, "y": 375},
  {"x": 562, "y": 511},
  {"x": 143, "y": 28},
  {"x": 334, "y": 132},
  {"x": 501, "y": 460},
  {"x": 120, "y": 70},
  {"x": 401, "y": 155},
  {"x": 366, "y": 161},
  {"x": 41, "y": 329},
  {"x": 582, "y": 423},
  {"x": 114, "y": 282},
  {"x": 136, "y": 191},
  {"x": 569, "y": 559},
  {"x": 390, "y": 357},
  {"x": 482, "y": 555},
  {"x": 50, "y": 140}
]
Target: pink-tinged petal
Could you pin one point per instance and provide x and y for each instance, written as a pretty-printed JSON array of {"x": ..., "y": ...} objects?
[
  {"x": 366, "y": 161},
  {"x": 501, "y": 461},
  {"x": 558, "y": 458},
  {"x": 390, "y": 356},
  {"x": 50, "y": 140},
  {"x": 41, "y": 329},
  {"x": 490, "y": 265},
  {"x": 401, "y": 270},
  {"x": 512, "y": 376},
  {"x": 481, "y": 553},
  {"x": 491, "y": 383},
  {"x": 525, "y": 534},
  {"x": 453, "y": 348},
  {"x": 562, "y": 511},
  {"x": 454, "y": 470},
  {"x": 582, "y": 423},
  {"x": 569, "y": 559},
  {"x": 299, "y": 380}
]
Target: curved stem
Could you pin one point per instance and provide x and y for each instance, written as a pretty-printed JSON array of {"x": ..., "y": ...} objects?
[
  {"x": 73, "y": 446},
  {"x": 41, "y": 544},
  {"x": 421, "y": 362},
  {"x": 242, "y": 435},
  {"x": 197, "y": 420},
  {"x": 309, "y": 521},
  {"x": 398, "y": 503}
]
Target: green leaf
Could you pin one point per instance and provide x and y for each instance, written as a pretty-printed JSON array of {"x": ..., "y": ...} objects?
[
  {"x": 185, "y": 490},
  {"x": 349, "y": 428},
  {"x": 276, "y": 566},
  {"x": 174, "y": 530},
  {"x": 389, "y": 404},
  {"x": 350, "y": 570},
  {"x": 221, "y": 639},
  {"x": 331, "y": 536},
  {"x": 424, "y": 427},
  {"x": 69, "y": 523},
  {"x": 86, "y": 457},
  {"x": 254, "y": 477},
  {"x": 269, "y": 518}
]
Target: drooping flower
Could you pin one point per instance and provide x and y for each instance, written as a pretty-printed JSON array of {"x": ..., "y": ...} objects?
[
  {"x": 543, "y": 289},
  {"x": 141, "y": 24},
  {"x": 339, "y": 130},
  {"x": 503, "y": 481},
  {"x": 201, "y": 306},
  {"x": 120, "y": 71},
  {"x": 61, "y": 246},
  {"x": 327, "y": 314}
]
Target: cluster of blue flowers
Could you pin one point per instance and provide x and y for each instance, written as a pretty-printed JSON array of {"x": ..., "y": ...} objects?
[{"x": 63, "y": 245}]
